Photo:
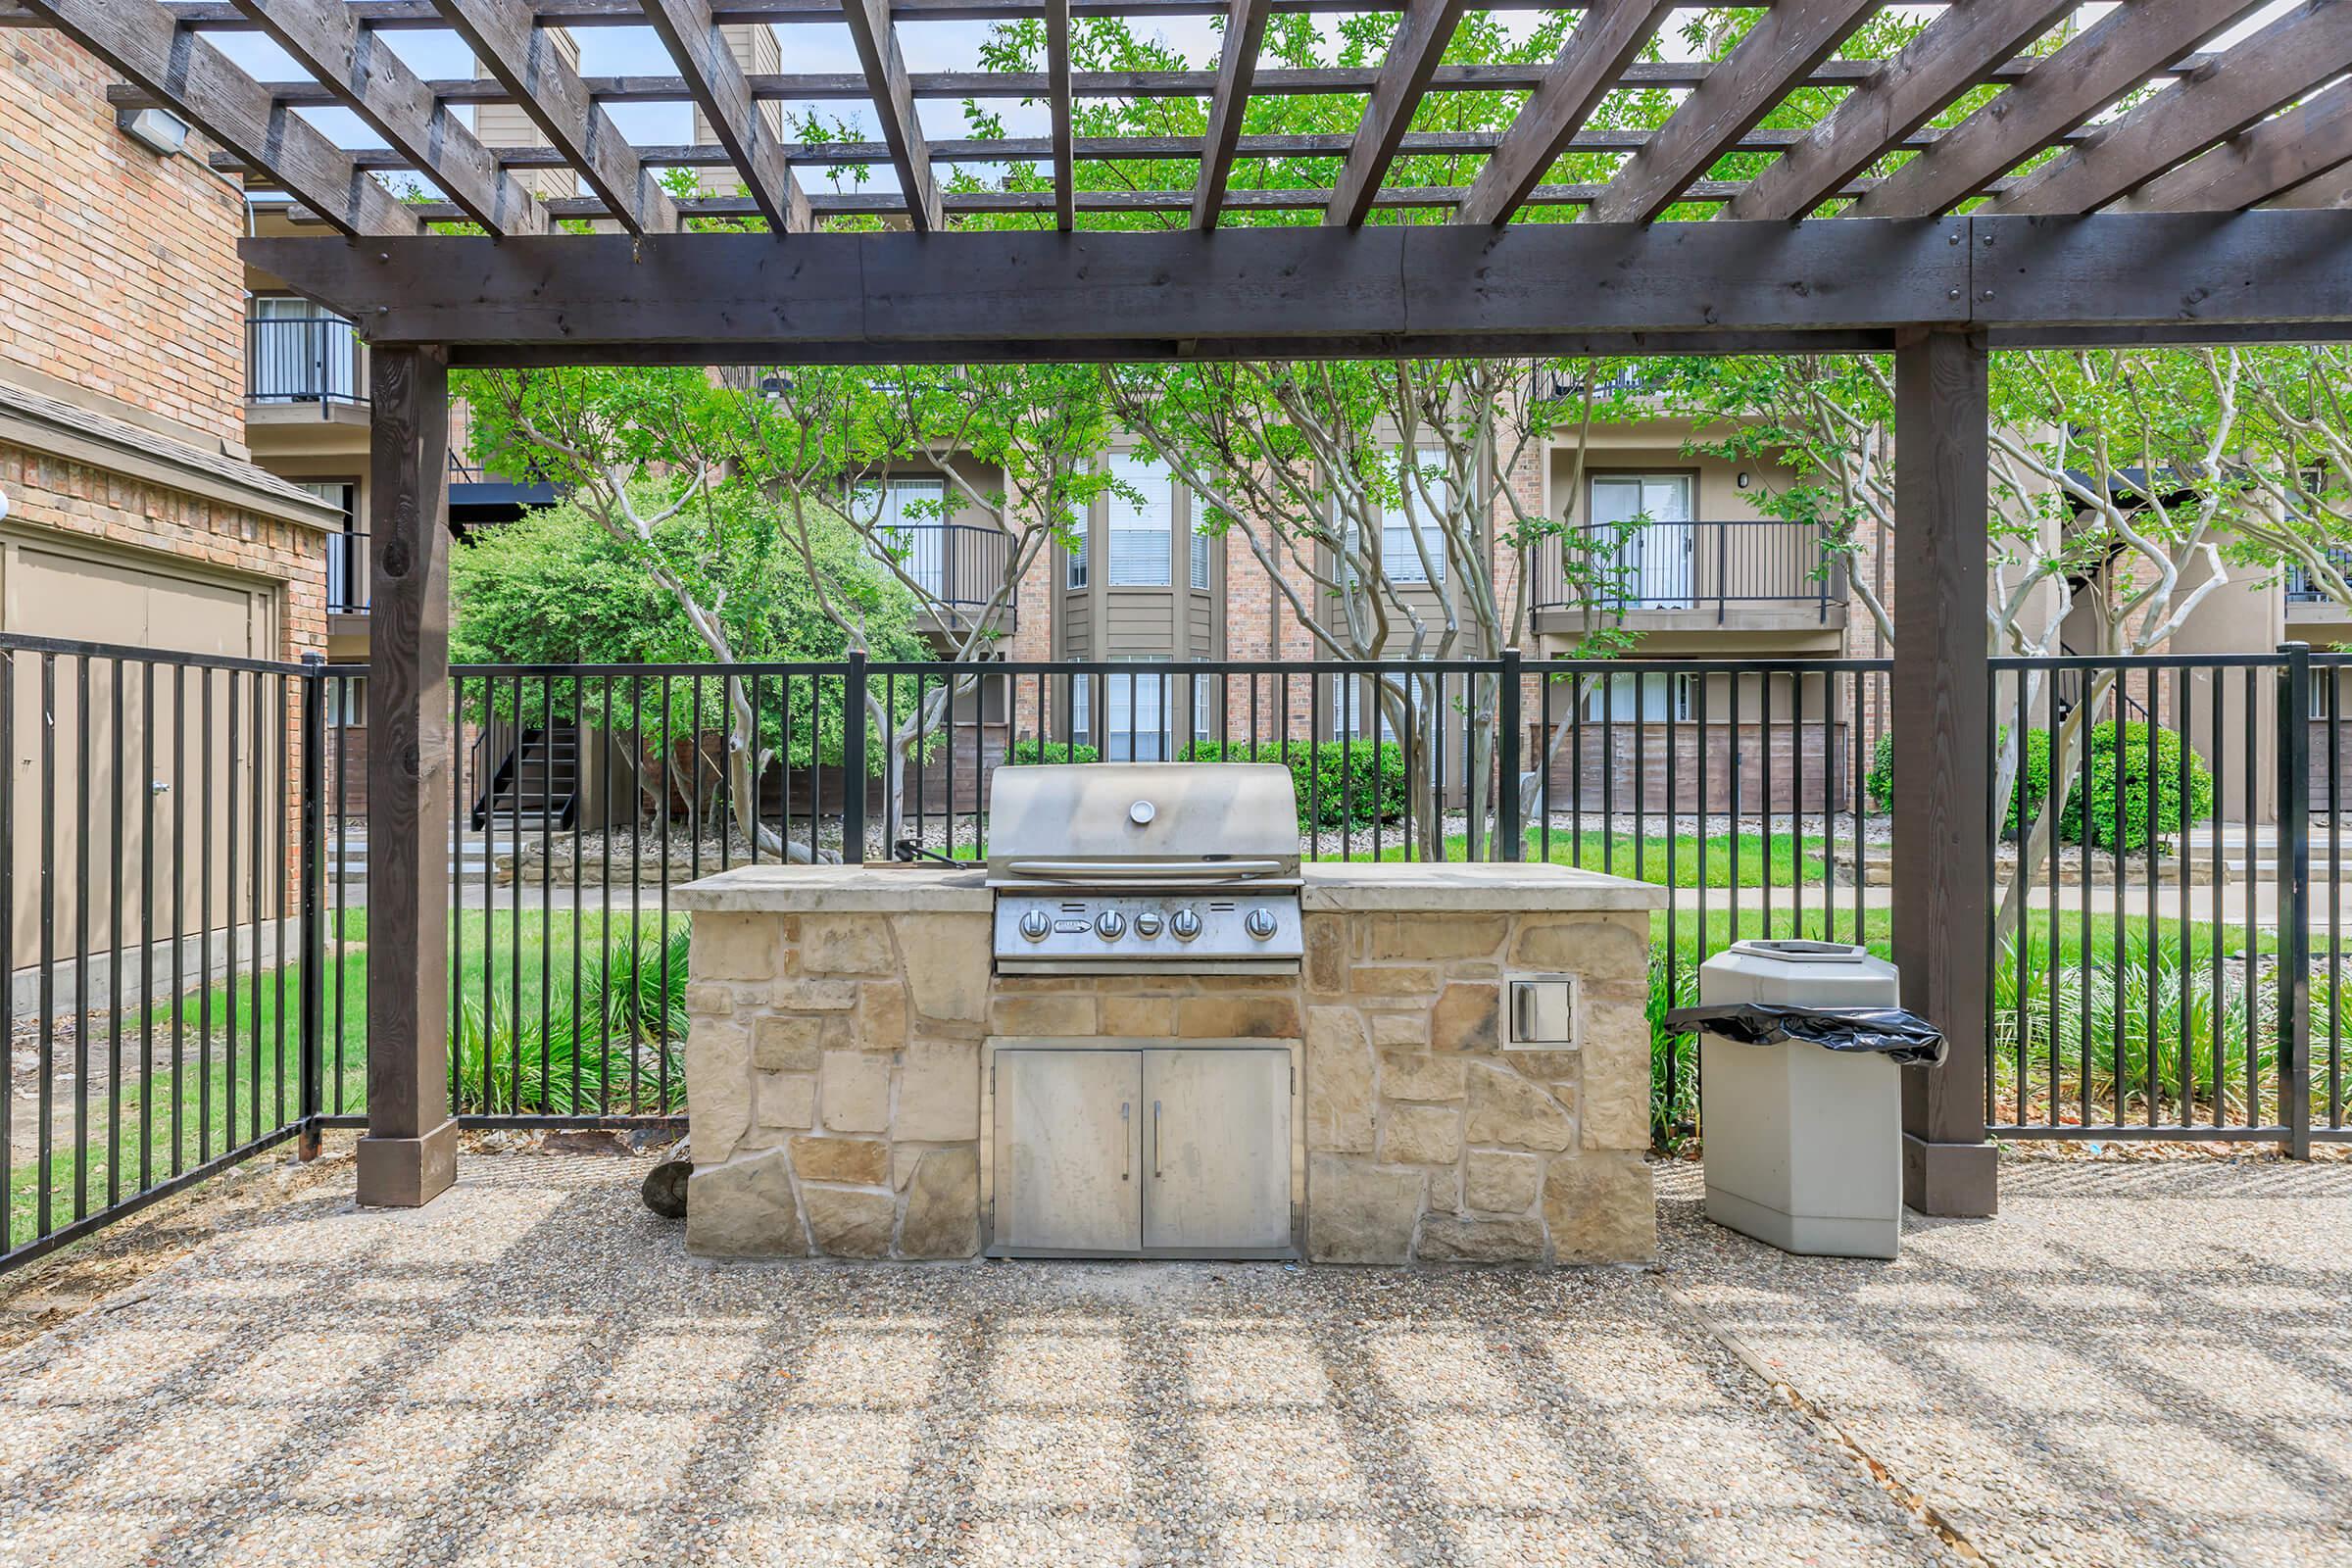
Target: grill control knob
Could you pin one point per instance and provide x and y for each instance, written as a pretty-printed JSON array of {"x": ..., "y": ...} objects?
[
  {"x": 1146, "y": 924},
  {"x": 1111, "y": 925},
  {"x": 1037, "y": 925},
  {"x": 1260, "y": 924},
  {"x": 1184, "y": 925}
]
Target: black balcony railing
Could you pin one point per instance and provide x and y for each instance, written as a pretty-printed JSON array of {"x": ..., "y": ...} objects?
[
  {"x": 347, "y": 572},
  {"x": 2302, "y": 590},
  {"x": 1696, "y": 567},
  {"x": 304, "y": 360},
  {"x": 960, "y": 564}
]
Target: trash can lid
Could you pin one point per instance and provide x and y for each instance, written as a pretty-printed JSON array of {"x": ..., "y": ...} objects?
[{"x": 1793, "y": 950}]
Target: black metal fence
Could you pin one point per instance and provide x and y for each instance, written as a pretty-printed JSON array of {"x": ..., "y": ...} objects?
[{"x": 183, "y": 892}]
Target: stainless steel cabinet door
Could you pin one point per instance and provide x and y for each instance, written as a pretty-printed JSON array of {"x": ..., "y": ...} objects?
[
  {"x": 1217, "y": 1150},
  {"x": 1068, "y": 1152}
]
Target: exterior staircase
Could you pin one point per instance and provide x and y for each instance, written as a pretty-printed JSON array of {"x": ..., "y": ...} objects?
[{"x": 535, "y": 787}]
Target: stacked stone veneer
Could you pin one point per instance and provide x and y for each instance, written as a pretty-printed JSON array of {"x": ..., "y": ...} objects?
[{"x": 834, "y": 1069}]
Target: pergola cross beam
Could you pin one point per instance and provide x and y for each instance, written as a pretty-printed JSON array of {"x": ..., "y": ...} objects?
[
  {"x": 522, "y": 56},
  {"x": 718, "y": 87},
  {"x": 2122, "y": 50},
  {"x": 1782, "y": 47},
  {"x": 1245, "y": 32},
  {"x": 877, "y": 44},
  {"x": 2290, "y": 57},
  {"x": 379, "y": 86},
  {"x": 1586, "y": 70},
  {"x": 1404, "y": 76},
  {"x": 1923, "y": 80},
  {"x": 140, "y": 40}
]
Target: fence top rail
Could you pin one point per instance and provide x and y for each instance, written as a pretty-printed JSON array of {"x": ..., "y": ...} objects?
[
  {"x": 2157, "y": 661},
  {"x": 124, "y": 654},
  {"x": 1180, "y": 669}
]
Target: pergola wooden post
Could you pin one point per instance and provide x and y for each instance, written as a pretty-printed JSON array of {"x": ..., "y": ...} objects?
[
  {"x": 409, "y": 1153},
  {"x": 1942, "y": 866}
]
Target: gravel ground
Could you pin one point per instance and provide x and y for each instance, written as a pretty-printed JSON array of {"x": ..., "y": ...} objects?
[
  {"x": 2135, "y": 1363},
  {"x": 530, "y": 1371}
]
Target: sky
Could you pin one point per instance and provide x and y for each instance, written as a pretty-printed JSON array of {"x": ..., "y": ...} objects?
[{"x": 825, "y": 48}]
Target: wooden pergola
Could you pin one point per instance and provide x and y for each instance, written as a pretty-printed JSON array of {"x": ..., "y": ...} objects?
[{"x": 2210, "y": 212}]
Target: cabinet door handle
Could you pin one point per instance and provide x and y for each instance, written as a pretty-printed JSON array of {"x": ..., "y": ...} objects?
[
  {"x": 1126, "y": 1144},
  {"x": 1155, "y": 1159}
]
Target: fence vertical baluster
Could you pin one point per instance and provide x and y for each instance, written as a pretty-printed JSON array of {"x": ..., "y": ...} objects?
[
  {"x": 2181, "y": 878},
  {"x": 1764, "y": 799},
  {"x": 1731, "y": 775},
  {"x": 852, "y": 759},
  {"x": 205, "y": 735},
  {"x": 1608, "y": 774},
  {"x": 313, "y": 988},
  {"x": 1699, "y": 790},
  {"x": 229, "y": 914},
  {"x": 280, "y": 745},
  {"x": 81, "y": 935},
  {"x": 2253, "y": 951},
  {"x": 343, "y": 689},
  {"x": 1514, "y": 828},
  {"x": 8, "y": 924},
  {"x": 1796, "y": 801},
  {"x": 461, "y": 807},
  {"x": 2219, "y": 926},
  {"x": 2294, "y": 901},
  {"x": 114, "y": 938},
  {"x": 603, "y": 903},
  {"x": 2154, "y": 1068},
  {"x": 580, "y": 787},
  {"x": 669, "y": 763},
  {"x": 2335, "y": 899},
  {"x": 179, "y": 903}
]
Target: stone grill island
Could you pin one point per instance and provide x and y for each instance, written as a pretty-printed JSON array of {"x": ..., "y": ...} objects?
[{"x": 865, "y": 1083}]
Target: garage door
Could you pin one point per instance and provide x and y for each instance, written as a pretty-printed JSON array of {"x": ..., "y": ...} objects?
[{"x": 172, "y": 767}]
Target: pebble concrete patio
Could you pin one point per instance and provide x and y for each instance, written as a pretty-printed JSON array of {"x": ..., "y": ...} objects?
[{"x": 2136, "y": 1363}]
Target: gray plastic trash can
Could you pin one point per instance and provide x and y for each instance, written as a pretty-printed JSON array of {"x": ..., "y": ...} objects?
[{"x": 1804, "y": 1146}]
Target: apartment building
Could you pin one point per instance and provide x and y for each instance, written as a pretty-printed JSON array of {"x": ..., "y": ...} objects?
[{"x": 131, "y": 510}]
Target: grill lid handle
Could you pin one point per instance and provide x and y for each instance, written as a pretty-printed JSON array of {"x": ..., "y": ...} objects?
[{"x": 1091, "y": 871}]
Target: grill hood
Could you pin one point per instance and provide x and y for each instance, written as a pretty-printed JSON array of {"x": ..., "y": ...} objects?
[{"x": 1144, "y": 824}]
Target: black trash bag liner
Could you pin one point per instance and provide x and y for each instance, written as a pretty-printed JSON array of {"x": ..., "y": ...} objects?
[{"x": 1910, "y": 1040}]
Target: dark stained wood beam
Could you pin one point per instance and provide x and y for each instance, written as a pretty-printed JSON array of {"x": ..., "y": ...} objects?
[
  {"x": 1108, "y": 149},
  {"x": 1943, "y": 852},
  {"x": 1779, "y": 50},
  {"x": 1589, "y": 65},
  {"x": 1228, "y": 107},
  {"x": 1058, "y": 106},
  {"x": 2322, "y": 191},
  {"x": 573, "y": 297},
  {"x": 409, "y": 1154},
  {"x": 140, "y": 40},
  {"x": 526, "y": 60},
  {"x": 2123, "y": 49},
  {"x": 2267, "y": 160},
  {"x": 1404, "y": 76},
  {"x": 718, "y": 86},
  {"x": 852, "y": 86},
  {"x": 1923, "y": 80},
  {"x": 362, "y": 72},
  {"x": 2285, "y": 60},
  {"x": 877, "y": 45},
  {"x": 222, "y": 14}
]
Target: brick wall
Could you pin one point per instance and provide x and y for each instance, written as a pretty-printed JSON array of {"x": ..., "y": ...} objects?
[{"x": 120, "y": 271}]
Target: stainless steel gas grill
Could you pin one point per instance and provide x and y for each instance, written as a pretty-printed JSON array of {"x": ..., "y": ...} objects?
[{"x": 1179, "y": 868}]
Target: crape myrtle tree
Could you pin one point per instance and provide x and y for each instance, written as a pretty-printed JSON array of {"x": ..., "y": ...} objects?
[
  {"x": 2288, "y": 471},
  {"x": 818, "y": 439},
  {"x": 2075, "y": 520},
  {"x": 793, "y": 455},
  {"x": 666, "y": 551}
]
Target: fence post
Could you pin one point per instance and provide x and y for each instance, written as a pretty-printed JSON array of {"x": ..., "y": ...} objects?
[
  {"x": 312, "y": 1053},
  {"x": 1509, "y": 829},
  {"x": 2294, "y": 898},
  {"x": 852, "y": 759}
]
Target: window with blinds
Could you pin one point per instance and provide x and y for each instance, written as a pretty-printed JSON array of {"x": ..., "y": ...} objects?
[
  {"x": 1140, "y": 529},
  {"x": 1401, "y": 521},
  {"x": 908, "y": 514}
]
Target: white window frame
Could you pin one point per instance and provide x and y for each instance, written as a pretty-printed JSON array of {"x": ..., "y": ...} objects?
[
  {"x": 1122, "y": 701},
  {"x": 1140, "y": 539},
  {"x": 921, "y": 544},
  {"x": 1681, "y": 691}
]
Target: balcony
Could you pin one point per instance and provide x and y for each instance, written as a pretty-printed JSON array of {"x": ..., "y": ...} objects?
[
  {"x": 312, "y": 366},
  {"x": 348, "y": 569},
  {"x": 1754, "y": 574},
  {"x": 957, "y": 565},
  {"x": 2310, "y": 604}
]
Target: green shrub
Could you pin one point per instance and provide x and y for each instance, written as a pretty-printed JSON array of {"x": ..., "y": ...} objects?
[
  {"x": 1348, "y": 785},
  {"x": 2111, "y": 776},
  {"x": 1028, "y": 753}
]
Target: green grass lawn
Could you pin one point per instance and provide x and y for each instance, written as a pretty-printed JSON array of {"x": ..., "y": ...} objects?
[{"x": 234, "y": 1088}]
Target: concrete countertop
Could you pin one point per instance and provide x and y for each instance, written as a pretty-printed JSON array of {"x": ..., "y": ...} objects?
[{"x": 1330, "y": 885}]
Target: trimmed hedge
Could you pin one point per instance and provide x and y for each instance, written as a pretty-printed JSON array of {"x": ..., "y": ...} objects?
[
  {"x": 1339, "y": 786},
  {"x": 1030, "y": 753},
  {"x": 2114, "y": 782}
]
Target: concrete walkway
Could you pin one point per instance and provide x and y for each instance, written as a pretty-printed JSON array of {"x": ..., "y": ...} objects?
[{"x": 2135, "y": 1365}]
